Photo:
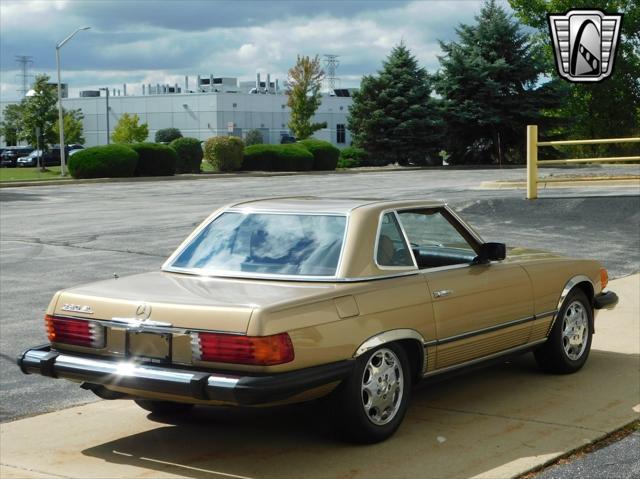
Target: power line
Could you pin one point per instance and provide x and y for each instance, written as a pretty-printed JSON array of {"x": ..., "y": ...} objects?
[
  {"x": 332, "y": 63},
  {"x": 25, "y": 62}
]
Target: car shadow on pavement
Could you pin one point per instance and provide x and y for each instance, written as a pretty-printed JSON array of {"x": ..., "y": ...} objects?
[{"x": 498, "y": 421}]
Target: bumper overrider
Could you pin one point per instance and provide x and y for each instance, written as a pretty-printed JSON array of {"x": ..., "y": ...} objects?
[
  {"x": 183, "y": 383},
  {"x": 605, "y": 300}
]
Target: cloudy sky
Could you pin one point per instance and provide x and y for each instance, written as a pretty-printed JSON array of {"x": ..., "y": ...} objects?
[{"x": 161, "y": 41}]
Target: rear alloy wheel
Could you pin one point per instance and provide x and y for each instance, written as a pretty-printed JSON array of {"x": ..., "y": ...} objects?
[
  {"x": 164, "y": 408},
  {"x": 372, "y": 402},
  {"x": 569, "y": 342}
]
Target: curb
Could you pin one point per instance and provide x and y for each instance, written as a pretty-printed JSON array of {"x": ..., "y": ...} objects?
[{"x": 203, "y": 176}]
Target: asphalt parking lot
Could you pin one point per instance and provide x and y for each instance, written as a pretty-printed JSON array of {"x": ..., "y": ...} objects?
[{"x": 54, "y": 237}]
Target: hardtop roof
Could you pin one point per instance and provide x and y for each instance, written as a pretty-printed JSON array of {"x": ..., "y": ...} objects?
[{"x": 315, "y": 204}]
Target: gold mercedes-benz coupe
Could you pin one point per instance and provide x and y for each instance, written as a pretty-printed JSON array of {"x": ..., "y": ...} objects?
[{"x": 285, "y": 300}]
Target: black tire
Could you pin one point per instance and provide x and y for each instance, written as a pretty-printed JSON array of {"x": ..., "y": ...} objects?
[
  {"x": 553, "y": 356},
  {"x": 350, "y": 413},
  {"x": 164, "y": 408}
]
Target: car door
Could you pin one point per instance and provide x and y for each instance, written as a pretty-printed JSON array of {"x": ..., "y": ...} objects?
[{"x": 479, "y": 309}]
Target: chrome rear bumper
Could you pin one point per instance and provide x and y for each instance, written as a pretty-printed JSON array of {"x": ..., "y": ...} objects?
[{"x": 183, "y": 383}]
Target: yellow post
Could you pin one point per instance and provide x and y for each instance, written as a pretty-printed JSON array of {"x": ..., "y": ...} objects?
[{"x": 532, "y": 162}]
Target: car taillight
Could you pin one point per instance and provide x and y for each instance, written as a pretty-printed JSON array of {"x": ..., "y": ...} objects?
[
  {"x": 604, "y": 278},
  {"x": 230, "y": 348},
  {"x": 78, "y": 332}
]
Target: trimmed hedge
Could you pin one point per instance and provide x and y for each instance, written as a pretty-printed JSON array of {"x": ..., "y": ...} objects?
[
  {"x": 287, "y": 157},
  {"x": 107, "y": 161},
  {"x": 254, "y": 137},
  {"x": 352, "y": 157},
  {"x": 224, "y": 153},
  {"x": 189, "y": 151},
  {"x": 325, "y": 155},
  {"x": 155, "y": 159},
  {"x": 167, "y": 135}
]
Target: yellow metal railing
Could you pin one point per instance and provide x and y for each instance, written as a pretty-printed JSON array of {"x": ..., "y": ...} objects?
[{"x": 532, "y": 156}]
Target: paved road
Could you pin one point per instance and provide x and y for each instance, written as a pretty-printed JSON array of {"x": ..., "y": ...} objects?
[
  {"x": 620, "y": 460},
  {"x": 54, "y": 237}
]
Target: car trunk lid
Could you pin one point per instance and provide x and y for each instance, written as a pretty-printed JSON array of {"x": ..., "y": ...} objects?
[{"x": 185, "y": 301}]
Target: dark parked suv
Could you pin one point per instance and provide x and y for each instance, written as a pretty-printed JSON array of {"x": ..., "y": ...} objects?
[
  {"x": 50, "y": 157},
  {"x": 11, "y": 154}
]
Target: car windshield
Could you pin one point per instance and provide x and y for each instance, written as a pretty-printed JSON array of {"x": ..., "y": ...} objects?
[{"x": 266, "y": 243}]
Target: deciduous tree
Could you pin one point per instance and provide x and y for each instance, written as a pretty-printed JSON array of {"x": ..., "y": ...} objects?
[
  {"x": 607, "y": 109},
  {"x": 305, "y": 82},
  {"x": 12, "y": 123},
  {"x": 73, "y": 128},
  {"x": 39, "y": 113},
  {"x": 129, "y": 130}
]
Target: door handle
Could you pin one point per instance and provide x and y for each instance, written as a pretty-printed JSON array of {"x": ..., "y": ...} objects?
[{"x": 442, "y": 293}]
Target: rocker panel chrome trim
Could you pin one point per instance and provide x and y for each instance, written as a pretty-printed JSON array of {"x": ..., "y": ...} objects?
[{"x": 484, "y": 358}]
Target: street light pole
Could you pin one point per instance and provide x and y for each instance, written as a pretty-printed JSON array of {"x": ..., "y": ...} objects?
[
  {"x": 107, "y": 116},
  {"x": 63, "y": 162}
]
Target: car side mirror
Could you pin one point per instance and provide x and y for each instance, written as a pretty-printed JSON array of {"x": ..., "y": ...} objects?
[{"x": 491, "y": 252}]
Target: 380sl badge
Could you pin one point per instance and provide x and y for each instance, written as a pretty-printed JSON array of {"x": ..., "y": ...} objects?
[{"x": 78, "y": 308}]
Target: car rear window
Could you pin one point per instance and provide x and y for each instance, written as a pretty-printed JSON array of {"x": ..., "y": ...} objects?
[{"x": 266, "y": 244}]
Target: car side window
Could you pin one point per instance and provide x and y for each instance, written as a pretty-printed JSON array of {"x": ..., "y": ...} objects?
[
  {"x": 392, "y": 249},
  {"x": 434, "y": 240}
]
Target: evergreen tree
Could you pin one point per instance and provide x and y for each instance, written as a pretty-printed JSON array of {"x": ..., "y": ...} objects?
[
  {"x": 607, "y": 109},
  {"x": 393, "y": 116},
  {"x": 305, "y": 81},
  {"x": 489, "y": 82}
]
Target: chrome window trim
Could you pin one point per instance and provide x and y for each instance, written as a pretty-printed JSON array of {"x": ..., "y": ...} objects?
[
  {"x": 382, "y": 214},
  {"x": 168, "y": 267},
  {"x": 314, "y": 279},
  {"x": 462, "y": 223}
]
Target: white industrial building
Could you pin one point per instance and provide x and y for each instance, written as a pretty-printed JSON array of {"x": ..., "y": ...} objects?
[{"x": 215, "y": 107}]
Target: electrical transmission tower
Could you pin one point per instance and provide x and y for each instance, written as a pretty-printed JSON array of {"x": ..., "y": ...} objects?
[
  {"x": 331, "y": 63},
  {"x": 25, "y": 62}
]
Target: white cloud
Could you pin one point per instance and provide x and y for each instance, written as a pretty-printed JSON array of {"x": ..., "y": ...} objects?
[{"x": 160, "y": 52}]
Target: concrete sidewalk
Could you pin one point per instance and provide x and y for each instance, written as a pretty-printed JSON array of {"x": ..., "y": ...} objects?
[{"x": 492, "y": 423}]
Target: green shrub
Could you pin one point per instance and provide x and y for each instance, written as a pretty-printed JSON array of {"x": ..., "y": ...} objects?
[
  {"x": 189, "y": 151},
  {"x": 325, "y": 155},
  {"x": 224, "y": 153},
  {"x": 352, "y": 157},
  {"x": 155, "y": 159},
  {"x": 347, "y": 163},
  {"x": 167, "y": 135},
  {"x": 254, "y": 137},
  {"x": 259, "y": 157},
  {"x": 287, "y": 157},
  {"x": 108, "y": 161}
]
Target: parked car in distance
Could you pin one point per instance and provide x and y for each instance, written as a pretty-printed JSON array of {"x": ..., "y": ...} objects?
[
  {"x": 286, "y": 300},
  {"x": 32, "y": 159},
  {"x": 10, "y": 155},
  {"x": 286, "y": 138},
  {"x": 51, "y": 157}
]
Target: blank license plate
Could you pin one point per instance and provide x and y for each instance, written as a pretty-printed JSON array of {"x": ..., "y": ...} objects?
[{"x": 150, "y": 345}]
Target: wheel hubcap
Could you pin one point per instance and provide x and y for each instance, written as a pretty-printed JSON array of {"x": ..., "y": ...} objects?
[
  {"x": 575, "y": 329},
  {"x": 382, "y": 386}
]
